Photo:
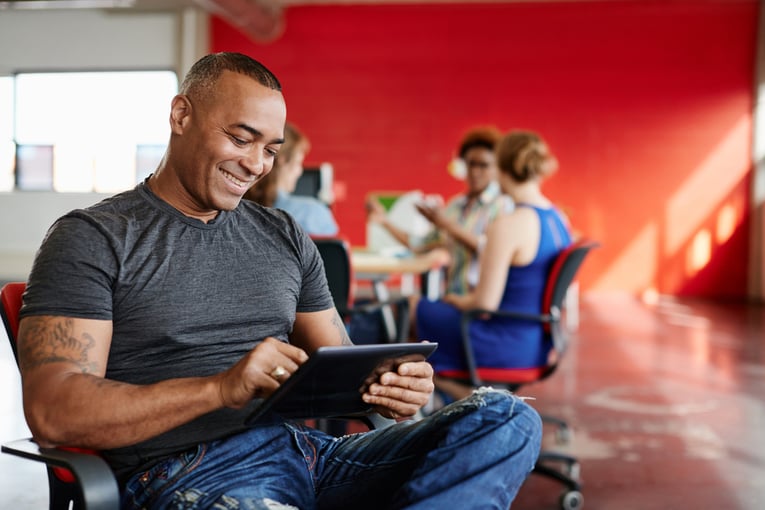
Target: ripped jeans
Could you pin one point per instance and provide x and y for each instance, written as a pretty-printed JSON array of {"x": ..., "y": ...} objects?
[{"x": 474, "y": 453}]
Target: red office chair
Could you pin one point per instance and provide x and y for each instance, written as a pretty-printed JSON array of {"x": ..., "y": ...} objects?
[
  {"x": 561, "y": 275},
  {"x": 74, "y": 476}
]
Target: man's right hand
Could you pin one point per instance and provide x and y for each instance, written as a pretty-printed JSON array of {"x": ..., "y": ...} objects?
[
  {"x": 260, "y": 372},
  {"x": 376, "y": 213}
]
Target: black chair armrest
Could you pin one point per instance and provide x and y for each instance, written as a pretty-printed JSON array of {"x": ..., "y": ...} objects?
[
  {"x": 95, "y": 480},
  {"x": 552, "y": 318},
  {"x": 478, "y": 313},
  {"x": 402, "y": 323},
  {"x": 376, "y": 305}
]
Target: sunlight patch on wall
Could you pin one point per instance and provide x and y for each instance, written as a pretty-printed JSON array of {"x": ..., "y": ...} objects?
[
  {"x": 706, "y": 187},
  {"x": 699, "y": 253},
  {"x": 727, "y": 221},
  {"x": 637, "y": 264}
]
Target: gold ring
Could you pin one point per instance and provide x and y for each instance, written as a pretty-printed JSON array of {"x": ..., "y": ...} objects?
[{"x": 278, "y": 372}]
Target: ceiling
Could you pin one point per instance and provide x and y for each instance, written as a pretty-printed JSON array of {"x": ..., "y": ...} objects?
[{"x": 262, "y": 20}]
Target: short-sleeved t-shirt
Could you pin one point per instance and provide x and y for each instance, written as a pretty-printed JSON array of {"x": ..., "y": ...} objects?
[{"x": 186, "y": 298}]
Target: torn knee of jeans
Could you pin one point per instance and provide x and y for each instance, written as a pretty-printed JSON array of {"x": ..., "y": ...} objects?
[
  {"x": 270, "y": 504},
  {"x": 485, "y": 394},
  {"x": 226, "y": 503},
  {"x": 186, "y": 498},
  {"x": 474, "y": 401}
]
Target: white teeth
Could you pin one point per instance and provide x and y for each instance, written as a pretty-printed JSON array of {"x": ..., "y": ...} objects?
[{"x": 233, "y": 179}]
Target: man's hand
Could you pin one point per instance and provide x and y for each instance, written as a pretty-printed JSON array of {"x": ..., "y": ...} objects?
[
  {"x": 433, "y": 212},
  {"x": 402, "y": 393},
  {"x": 376, "y": 213},
  {"x": 260, "y": 372}
]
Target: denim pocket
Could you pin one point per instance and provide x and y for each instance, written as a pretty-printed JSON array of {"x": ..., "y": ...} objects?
[{"x": 144, "y": 487}]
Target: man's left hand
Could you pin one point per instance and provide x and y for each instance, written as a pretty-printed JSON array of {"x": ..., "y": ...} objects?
[{"x": 402, "y": 393}]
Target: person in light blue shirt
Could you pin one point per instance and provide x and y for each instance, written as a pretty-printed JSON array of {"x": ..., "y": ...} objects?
[{"x": 275, "y": 190}]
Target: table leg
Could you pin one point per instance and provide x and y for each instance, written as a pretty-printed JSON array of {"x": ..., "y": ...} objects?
[{"x": 382, "y": 294}]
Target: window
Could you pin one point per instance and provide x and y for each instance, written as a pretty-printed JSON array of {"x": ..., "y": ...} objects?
[
  {"x": 85, "y": 131},
  {"x": 7, "y": 148}
]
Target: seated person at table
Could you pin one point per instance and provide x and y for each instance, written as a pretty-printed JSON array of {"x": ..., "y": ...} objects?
[
  {"x": 520, "y": 249},
  {"x": 155, "y": 319},
  {"x": 461, "y": 225},
  {"x": 275, "y": 190}
]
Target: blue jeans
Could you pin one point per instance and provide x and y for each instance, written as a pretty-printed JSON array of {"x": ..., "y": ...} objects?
[{"x": 474, "y": 453}]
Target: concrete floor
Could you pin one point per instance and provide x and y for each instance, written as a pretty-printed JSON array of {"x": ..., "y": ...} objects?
[{"x": 666, "y": 402}]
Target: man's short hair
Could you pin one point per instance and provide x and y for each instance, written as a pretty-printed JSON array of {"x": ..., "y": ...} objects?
[{"x": 205, "y": 72}]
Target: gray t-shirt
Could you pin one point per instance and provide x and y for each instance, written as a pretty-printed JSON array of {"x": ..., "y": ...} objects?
[{"x": 186, "y": 298}]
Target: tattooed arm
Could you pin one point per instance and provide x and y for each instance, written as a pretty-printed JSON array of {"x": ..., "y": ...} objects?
[
  {"x": 315, "y": 329},
  {"x": 67, "y": 400}
]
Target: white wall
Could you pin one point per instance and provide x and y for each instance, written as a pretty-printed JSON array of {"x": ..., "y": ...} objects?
[
  {"x": 84, "y": 39},
  {"x": 81, "y": 40},
  {"x": 24, "y": 219},
  {"x": 757, "y": 234}
]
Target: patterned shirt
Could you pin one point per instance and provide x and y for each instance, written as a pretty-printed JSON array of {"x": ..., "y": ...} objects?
[{"x": 463, "y": 271}]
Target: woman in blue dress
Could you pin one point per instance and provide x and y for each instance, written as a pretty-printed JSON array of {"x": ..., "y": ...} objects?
[{"x": 520, "y": 249}]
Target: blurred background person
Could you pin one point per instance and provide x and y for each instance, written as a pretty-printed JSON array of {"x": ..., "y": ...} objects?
[
  {"x": 275, "y": 189},
  {"x": 459, "y": 227},
  {"x": 515, "y": 263}
]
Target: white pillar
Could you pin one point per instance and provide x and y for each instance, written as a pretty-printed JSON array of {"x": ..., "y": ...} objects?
[
  {"x": 193, "y": 38},
  {"x": 757, "y": 234}
]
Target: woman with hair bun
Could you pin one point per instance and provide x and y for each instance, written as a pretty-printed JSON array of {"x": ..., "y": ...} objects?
[{"x": 520, "y": 249}]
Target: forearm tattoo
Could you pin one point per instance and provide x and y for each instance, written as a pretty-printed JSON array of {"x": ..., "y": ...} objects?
[
  {"x": 340, "y": 326},
  {"x": 53, "y": 341}
]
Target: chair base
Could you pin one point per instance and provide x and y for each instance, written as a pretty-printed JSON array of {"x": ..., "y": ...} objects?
[{"x": 567, "y": 474}]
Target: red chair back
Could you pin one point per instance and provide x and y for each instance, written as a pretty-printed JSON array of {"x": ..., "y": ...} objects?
[{"x": 10, "y": 299}]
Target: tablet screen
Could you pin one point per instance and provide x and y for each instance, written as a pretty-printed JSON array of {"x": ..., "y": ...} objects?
[{"x": 331, "y": 382}]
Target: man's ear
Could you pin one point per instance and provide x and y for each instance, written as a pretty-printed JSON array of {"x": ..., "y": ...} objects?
[{"x": 180, "y": 112}]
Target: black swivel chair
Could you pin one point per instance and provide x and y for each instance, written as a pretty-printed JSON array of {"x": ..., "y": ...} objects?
[{"x": 336, "y": 255}]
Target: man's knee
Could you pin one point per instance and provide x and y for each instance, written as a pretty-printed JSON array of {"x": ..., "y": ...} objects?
[{"x": 511, "y": 418}]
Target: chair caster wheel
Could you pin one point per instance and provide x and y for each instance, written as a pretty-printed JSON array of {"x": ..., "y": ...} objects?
[
  {"x": 571, "y": 500},
  {"x": 563, "y": 435}
]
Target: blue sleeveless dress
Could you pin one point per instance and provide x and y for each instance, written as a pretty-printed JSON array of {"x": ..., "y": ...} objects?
[{"x": 500, "y": 342}]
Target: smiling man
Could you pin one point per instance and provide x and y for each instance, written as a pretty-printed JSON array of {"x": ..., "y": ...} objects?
[{"x": 154, "y": 320}]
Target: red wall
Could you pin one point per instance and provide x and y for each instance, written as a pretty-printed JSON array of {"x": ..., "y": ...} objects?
[{"x": 646, "y": 103}]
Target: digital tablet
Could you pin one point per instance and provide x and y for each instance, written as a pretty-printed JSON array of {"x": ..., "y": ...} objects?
[{"x": 331, "y": 381}]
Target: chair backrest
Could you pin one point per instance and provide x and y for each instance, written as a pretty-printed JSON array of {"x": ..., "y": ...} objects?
[
  {"x": 10, "y": 306},
  {"x": 336, "y": 254},
  {"x": 562, "y": 273}
]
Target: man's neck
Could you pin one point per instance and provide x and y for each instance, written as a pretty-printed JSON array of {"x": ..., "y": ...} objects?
[{"x": 163, "y": 191}]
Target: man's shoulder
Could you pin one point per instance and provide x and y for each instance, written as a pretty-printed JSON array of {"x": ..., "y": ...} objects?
[
  {"x": 111, "y": 209},
  {"x": 123, "y": 200},
  {"x": 262, "y": 214}
]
